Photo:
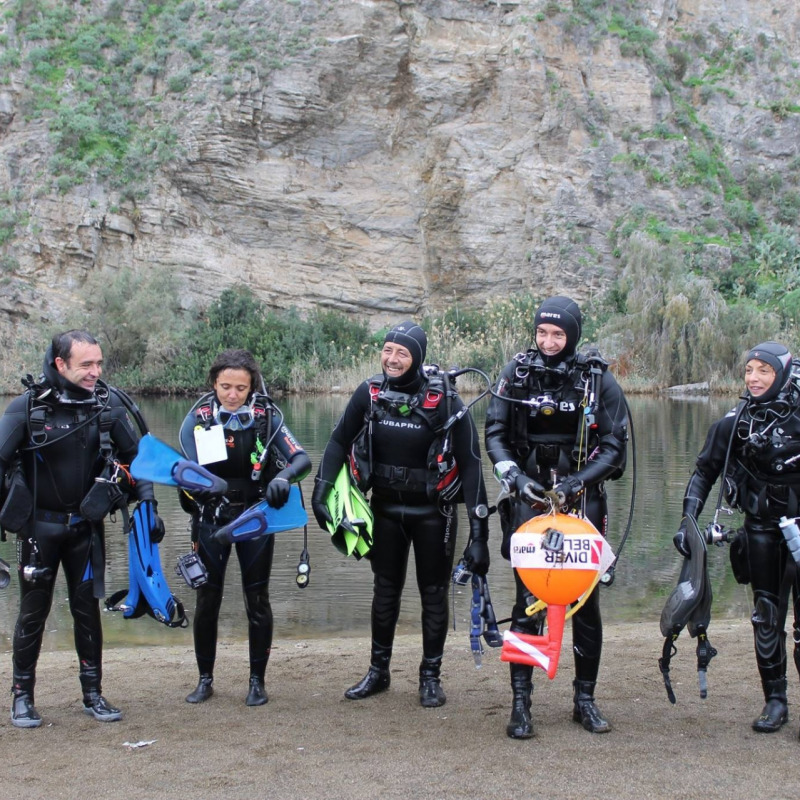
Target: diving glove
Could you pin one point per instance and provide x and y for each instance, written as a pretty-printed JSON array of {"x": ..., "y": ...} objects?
[
  {"x": 568, "y": 489},
  {"x": 158, "y": 530},
  {"x": 476, "y": 553},
  {"x": 529, "y": 490},
  {"x": 206, "y": 497},
  {"x": 278, "y": 492},
  {"x": 318, "y": 505},
  {"x": 692, "y": 506},
  {"x": 681, "y": 540}
]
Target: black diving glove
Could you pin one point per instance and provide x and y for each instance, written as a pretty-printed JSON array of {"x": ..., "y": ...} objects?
[
  {"x": 188, "y": 503},
  {"x": 277, "y": 492},
  {"x": 529, "y": 490},
  {"x": 681, "y": 540},
  {"x": 205, "y": 497},
  {"x": 318, "y": 505},
  {"x": 476, "y": 553},
  {"x": 158, "y": 530},
  {"x": 568, "y": 489}
]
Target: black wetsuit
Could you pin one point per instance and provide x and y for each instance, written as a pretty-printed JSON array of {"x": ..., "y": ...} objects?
[
  {"x": 287, "y": 458},
  {"x": 546, "y": 447},
  {"x": 404, "y": 511},
  {"x": 763, "y": 481},
  {"x": 60, "y": 457}
]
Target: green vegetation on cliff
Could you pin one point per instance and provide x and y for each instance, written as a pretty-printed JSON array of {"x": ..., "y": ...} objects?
[
  {"x": 111, "y": 82},
  {"x": 100, "y": 78}
]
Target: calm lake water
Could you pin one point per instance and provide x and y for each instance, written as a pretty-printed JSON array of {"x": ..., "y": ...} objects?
[{"x": 669, "y": 433}]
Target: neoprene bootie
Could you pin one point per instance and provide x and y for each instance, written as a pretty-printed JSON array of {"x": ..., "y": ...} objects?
[
  {"x": 585, "y": 710},
  {"x": 377, "y": 678},
  {"x": 204, "y": 690},
  {"x": 520, "y": 725},
  {"x": 257, "y": 695},
  {"x": 375, "y": 681},
  {"x": 776, "y": 711},
  {"x": 431, "y": 694},
  {"x": 95, "y": 705},
  {"x": 23, "y": 713}
]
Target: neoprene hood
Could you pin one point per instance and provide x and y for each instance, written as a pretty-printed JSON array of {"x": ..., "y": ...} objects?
[
  {"x": 409, "y": 335},
  {"x": 565, "y": 314},
  {"x": 780, "y": 359}
]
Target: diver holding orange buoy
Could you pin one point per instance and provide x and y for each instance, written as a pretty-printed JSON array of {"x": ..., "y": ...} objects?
[{"x": 556, "y": 429}]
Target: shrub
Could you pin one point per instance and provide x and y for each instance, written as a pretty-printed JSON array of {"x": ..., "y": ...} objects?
[{"x": 676, "y": 327}]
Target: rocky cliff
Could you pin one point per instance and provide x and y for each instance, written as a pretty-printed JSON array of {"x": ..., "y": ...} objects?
[{"x": 409, "y": 154}]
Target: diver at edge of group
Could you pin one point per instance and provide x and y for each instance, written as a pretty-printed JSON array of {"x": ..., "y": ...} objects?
[
  {"x": 56, "y": 439},
  {"x": 757, "y": 446}
]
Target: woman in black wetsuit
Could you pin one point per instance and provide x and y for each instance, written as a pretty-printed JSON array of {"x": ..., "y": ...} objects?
[
  {"x": 407, "y": 409},
  {"x": 762, "y": 479},
  {"x": 240, "y": 423}
]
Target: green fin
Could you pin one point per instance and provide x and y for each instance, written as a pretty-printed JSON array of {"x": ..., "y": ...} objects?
[
  {"x": 351, "y": 531},
  {"x": 335, "y": 500}
]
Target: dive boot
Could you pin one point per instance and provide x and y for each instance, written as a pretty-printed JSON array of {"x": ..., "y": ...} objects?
[
  {"x": 23, "y": 713},
  {"x": 95, "y": 705},
  {"x": 520, "y": 726},
  {"x": 431, "y": 694},
  {"x": 776, "y": 711},
  {"x": 377, "y": 678},
  {"x": 204, "y": 690},
  {"x": 585, "y": 710},
  {"x": 257, "y": 696},
  {"x": 375, "y": 681}
]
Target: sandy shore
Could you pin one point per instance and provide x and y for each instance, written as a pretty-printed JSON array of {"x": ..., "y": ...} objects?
[{"x": 309, "y": 742}]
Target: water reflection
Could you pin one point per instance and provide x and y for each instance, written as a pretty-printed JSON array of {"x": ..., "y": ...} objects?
[{"x": 669, "y": 434}]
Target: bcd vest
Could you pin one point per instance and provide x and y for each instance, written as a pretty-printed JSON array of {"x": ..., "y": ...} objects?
[
  {"x": 265, "y": 465},
  {"x": 439, "y": 478},
  {"x": 764, "y": 478},
  {"x": 572, "y": 389}
]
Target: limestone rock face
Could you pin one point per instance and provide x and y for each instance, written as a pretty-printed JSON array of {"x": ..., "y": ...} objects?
[{"x": 422, "y": 153}]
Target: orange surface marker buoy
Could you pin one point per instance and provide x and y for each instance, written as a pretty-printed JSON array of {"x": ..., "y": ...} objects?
[{"x": 559, "y": 557}]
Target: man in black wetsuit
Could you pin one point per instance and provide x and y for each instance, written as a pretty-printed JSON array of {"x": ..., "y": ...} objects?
[
  {"x": 559, "y": 423},
  {"x": 57, "y": 438},
  {"x": 405, "y": 407}
]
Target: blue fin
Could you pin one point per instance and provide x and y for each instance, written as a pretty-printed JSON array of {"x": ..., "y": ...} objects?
[
  {"x": 262, "y": 519},
  {"x": 148, "y": 591},
  {"x": 158, "y": 462},
  {"x": 290, "y": 515}
]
